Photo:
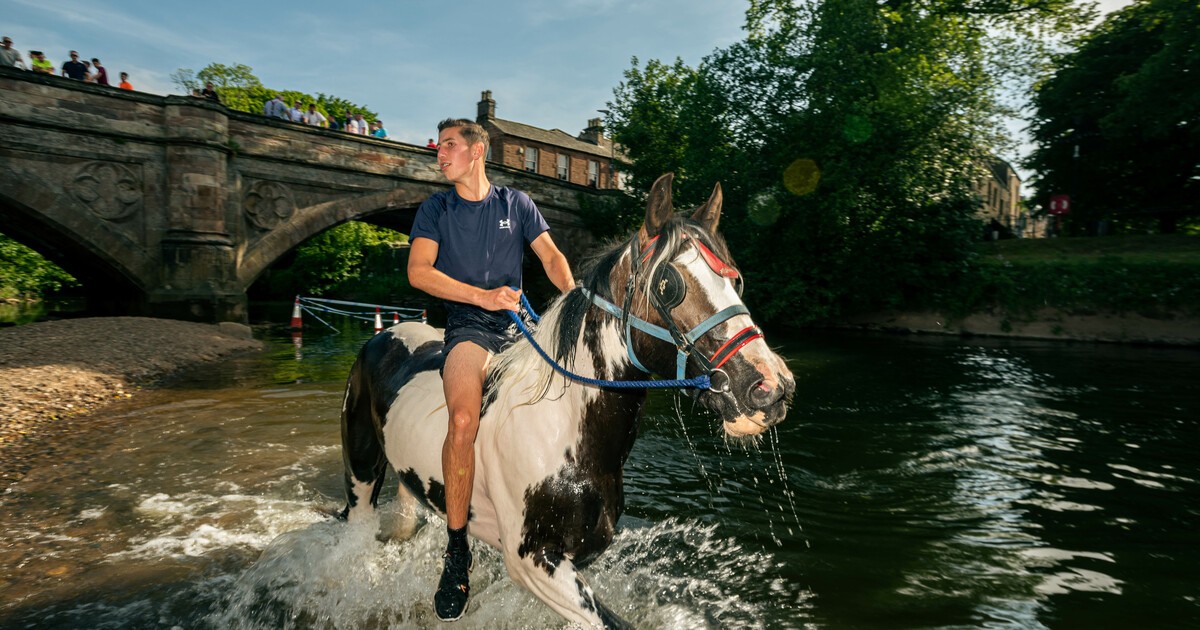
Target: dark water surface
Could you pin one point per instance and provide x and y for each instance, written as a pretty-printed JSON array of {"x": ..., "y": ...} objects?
[{"x": 918, "y": 482}]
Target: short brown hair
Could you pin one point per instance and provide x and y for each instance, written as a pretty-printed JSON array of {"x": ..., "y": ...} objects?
[{"x": 472, "y": 132}]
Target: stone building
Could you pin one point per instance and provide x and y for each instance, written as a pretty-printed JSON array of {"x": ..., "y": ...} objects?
[
  {"x": 586, "y": 159},
  {"x": 1000, "y": 192}
]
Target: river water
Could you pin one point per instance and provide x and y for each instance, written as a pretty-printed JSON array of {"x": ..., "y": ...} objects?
[{"x": 918, "y": 482}]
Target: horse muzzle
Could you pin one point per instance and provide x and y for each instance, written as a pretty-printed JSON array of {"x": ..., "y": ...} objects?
[{"x": 749, "y": 410}]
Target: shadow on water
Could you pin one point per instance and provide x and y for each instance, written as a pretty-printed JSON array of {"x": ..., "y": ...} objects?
[{"x": 917, "y": 482}]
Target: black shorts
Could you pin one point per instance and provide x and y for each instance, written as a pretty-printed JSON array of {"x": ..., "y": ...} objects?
[{"x": 491, "y": 330}]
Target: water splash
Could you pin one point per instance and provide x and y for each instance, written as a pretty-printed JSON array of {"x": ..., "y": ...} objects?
[{"x": 676, "y": 574}]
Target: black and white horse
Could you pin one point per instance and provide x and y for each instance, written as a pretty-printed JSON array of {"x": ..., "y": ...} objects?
[{"x": 550, "y": 450}]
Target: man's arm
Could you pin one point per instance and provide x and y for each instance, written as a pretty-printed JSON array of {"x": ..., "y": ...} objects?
[
  {"x": 422, "y": 253},
  {"x": 553, "y": 261}
]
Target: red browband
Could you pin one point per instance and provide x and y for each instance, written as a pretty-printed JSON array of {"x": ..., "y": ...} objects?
[{"x": 714, "y": 262}]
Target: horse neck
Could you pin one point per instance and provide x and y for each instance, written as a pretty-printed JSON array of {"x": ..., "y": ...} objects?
[{"x": 609, "y": 416}]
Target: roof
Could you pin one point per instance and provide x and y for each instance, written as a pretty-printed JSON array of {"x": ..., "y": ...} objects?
[{"x": 553, "y": 137}]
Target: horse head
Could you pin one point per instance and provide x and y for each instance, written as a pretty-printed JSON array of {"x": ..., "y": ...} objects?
[{"x": 681, "y": 279}]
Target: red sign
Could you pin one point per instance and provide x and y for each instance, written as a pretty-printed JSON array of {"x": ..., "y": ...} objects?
[{"x": 1060, "y": 204}]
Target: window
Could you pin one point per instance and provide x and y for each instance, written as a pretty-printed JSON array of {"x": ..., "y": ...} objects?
[
  {"x": 564, "y": 171},
  {"x": 593, "y": 173},
  {"x": 531, "y": 155}
]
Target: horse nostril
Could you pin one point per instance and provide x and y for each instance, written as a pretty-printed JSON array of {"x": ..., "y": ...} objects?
[{"x": 762, "y": 394}]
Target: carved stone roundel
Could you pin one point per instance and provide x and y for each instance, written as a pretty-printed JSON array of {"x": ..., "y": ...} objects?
[
  {"x": 267, "y": 204},
  {"x": 111, "y": 191}
]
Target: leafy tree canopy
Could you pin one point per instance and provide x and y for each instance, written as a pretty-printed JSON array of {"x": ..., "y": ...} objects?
[
  {"x": 847, "y": 135},
  {"x": 1117, "y": 125}
]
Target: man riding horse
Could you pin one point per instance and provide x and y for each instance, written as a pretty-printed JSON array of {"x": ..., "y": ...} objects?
[{"x": 467, "y": 248}]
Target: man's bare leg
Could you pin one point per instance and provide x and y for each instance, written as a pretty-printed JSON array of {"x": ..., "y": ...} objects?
[{"x": 462, "y": 380}]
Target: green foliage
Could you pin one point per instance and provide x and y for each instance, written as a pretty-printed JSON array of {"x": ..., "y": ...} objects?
[
  {"x": 846, "y": 134},
  {"x": 611, "y": 216},
  {"x": 242, "y": 91},
  {"x": 332, "y": 258},
  {"x": 26, "y": 275},
  {"x": 1116, "y": 123},
  {"x": 1107, "y": 284},
  {"x": 225, "y": 77}
]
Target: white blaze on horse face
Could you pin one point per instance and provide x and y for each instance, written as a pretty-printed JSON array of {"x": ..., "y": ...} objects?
[{"x": 720, "y": 292}]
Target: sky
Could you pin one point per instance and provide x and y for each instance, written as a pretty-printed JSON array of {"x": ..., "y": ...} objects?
[{"x": 548, "y": 63}]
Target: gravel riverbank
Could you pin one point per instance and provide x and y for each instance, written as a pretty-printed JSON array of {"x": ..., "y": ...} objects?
[{"x": 54, "y": 373}]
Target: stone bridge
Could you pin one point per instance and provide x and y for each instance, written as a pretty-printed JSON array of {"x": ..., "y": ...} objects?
[{"x": 173, "y": 206}]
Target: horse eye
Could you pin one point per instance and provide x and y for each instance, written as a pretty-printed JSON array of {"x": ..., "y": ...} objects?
[{"x": 738, "y": 285}]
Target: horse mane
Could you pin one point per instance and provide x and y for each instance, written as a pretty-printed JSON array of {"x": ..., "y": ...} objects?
[{"x": 561, "y": 325}]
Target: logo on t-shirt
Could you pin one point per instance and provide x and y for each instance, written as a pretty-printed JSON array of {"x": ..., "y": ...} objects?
[{"x": 506, "y": 224}]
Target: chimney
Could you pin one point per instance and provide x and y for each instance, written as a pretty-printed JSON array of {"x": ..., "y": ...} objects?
[
  {"x": 486, "y": 109},
  {"x": 594, "y": 133}
]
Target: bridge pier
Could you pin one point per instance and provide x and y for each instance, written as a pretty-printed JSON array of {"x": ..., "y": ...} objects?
[{"x": 198, "y": 273}]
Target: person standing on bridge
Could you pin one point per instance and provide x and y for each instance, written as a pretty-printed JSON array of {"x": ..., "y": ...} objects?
[
  {"x": 467, "y": 247},
  {"x": 74, "y": 68},
  {"x": 39, "y": 63},
  {"x": 101, "y": 75},
  {"x": 10, "y": 57}
]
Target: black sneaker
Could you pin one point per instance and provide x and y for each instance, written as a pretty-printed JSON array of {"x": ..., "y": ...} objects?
[{"x": 450, "y": 600}]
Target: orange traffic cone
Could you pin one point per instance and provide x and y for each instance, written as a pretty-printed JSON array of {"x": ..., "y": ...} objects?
[
  {"x": 296, "y": 323},
  {"x": 395, "y": 318},
  {"x": 424, "y": 317},
  {"x": 378, "y": 321}
]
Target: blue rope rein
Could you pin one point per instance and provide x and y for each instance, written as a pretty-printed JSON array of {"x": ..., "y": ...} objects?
[{"x": 698, "y": 382}]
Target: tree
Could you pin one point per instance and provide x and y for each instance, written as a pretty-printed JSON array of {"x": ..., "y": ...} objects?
[
  {"x": 185, "y": 78},
  {"x": 25, "y": 274},
  {"x": 1117, "y": 125},
  {"x": 225, "y": 77},
  {"x": 851, "y": 131},
  {"x": 242, "y": 91}
]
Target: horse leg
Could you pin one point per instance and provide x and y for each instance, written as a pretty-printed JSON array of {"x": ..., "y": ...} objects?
[
  {"x": 362, "y": 451},
  {"x": 408, "y": 512},
  {"x": 555, "y": 580}
]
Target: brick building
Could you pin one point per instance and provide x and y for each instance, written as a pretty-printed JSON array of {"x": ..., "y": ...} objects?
[{"x": 586, "y": 159}]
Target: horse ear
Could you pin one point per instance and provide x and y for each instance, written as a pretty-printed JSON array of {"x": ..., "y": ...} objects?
[
  {"x": 658, "y": 208},
  {"x": 709, "y": 214}
]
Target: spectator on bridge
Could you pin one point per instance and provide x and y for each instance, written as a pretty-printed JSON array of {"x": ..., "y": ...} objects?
[
  {"x": 431, "y": 144},
  {"x": 276, "y": 108},
  {"x": 75, "y": 68},
  {"x": 378, "y": 131},
  {"x": 101, "y": 75},
  {"x": 125, "y": 84},
  {"x": 314, "y": 118},
  {"x": 295, "y": 113},
  {"x": 9, "y": 56},
  {"x": 209, "y": 92},
  {"x": 38, "y": 60},
  {"x": 358, "y": 125}
]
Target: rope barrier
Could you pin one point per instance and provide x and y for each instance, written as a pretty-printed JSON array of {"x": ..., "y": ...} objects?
[{"x": 354, "y": 310}]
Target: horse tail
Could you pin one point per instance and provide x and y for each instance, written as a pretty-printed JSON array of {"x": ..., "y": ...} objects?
[{"x": 362, "y": 439}]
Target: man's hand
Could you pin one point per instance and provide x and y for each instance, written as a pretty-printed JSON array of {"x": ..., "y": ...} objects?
[{"x": 501, "y": 299}]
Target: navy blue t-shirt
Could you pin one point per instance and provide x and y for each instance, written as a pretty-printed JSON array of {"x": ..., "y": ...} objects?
[{"x": 480, "y": 243}]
